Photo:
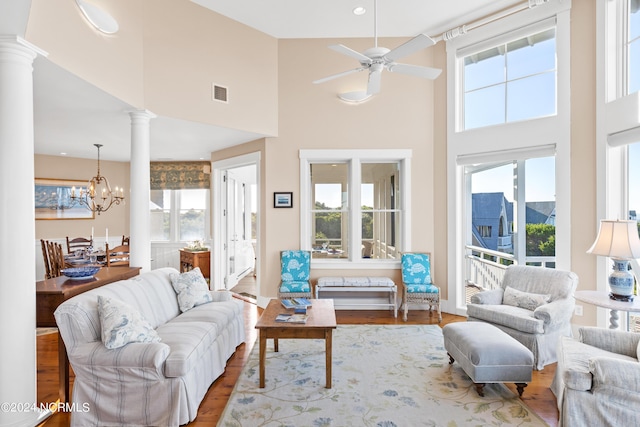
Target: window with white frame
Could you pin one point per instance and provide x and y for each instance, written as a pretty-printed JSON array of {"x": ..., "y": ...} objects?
[
  {"x": 351, "y": 204},
  {"x": 509, "y": 100},
  {"x": 179, "y": 215},
  {"x": 632, "y": 18},
  {"x": 512, "y": 80}
]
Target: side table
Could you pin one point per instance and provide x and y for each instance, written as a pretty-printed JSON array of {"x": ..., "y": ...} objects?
[
  {"x": 601, "y": 299},
  {"x": 192, "y": 259}
]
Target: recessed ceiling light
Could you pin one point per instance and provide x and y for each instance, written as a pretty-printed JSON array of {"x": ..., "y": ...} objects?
[
  {"x": 359, "y": 11},
  {"x": 63, "y": 154}
]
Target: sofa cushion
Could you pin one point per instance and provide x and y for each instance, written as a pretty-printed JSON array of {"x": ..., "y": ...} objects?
[
  {"x": 192, "y": 289},
  {"x": 575, "y": 362},
  {"x": 122, "y": 324},
  {"x": 522, "y": 299},
  {"x": 220, "y": 313},
  {"x": 516, "y": 318},
  {"x": 188, "y": 342}
]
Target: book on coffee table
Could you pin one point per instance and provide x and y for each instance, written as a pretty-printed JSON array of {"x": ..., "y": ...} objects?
[
  {"x": 292, "y": 318},
  {"x": 296, "y": 303}
]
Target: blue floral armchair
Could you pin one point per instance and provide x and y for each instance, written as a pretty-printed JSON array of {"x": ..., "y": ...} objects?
[
  {"x": 416, "y": 283},
  {"x": 295, "y": 268}
]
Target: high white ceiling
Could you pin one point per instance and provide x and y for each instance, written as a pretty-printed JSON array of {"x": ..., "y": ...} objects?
[{"x": 71, "y": 115}]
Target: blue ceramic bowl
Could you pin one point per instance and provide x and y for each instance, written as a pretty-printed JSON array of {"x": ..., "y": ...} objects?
[{"x": 80, "y": 273}]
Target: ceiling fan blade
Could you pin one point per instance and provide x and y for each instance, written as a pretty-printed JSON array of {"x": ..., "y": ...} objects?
[
  {"x": 335, "y": 76},
  {"x": 415, "y": 70},
  {"x": 373, "y": 87},
  {"x": 350, "y": 52},
  {"x": 420, "y": 41}
]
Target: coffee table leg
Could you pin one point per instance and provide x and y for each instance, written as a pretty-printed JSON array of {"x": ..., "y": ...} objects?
[
  {"x": 328, "y": 346},
  {"x": 263, "y": 352}
]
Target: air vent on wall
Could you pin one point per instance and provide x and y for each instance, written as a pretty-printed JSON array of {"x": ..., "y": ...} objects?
[{"x": 219, "y": 93}]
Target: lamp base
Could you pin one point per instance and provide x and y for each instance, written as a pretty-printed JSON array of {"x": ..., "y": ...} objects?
[{"x": 625, "y": 298}]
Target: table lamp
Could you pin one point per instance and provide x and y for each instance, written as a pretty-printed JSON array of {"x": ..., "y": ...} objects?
[{"x": 619, "y": 241}]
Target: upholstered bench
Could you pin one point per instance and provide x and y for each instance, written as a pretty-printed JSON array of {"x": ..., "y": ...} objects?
[
  {"x": 488, "y": 355},
  {"x": 358, "y": 286}
]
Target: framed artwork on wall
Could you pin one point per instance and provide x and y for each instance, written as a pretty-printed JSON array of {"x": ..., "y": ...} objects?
[
  {"x": 53, "y": 199},
  {"x": 283, "y": 200}
]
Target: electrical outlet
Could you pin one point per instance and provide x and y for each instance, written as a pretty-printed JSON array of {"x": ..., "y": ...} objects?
[{"x": 578, "y": 310}]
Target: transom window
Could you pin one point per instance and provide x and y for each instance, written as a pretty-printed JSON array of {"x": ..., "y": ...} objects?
[{"x": 510, "y": 81}]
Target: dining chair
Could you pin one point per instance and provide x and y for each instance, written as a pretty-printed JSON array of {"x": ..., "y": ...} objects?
[
  {"x": 56, "y": 258},
  {"x": 417, "y": 284},
  {"x": 78, "y": 243},
  {"x": 45, "y": 258},
  {"x": 118, "y": 256},
  {"x": 125, "y": 240}
]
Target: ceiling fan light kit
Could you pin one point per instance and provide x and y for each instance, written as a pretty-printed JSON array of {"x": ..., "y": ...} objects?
[
  {"x": 355, "y": 97},
  {"x": 377, "y": 59},
  {"x": 98, "y": 18}
]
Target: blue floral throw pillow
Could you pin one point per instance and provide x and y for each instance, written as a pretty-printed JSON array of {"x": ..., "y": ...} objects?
[
  {"x": 122, "y": 324},
  {"x": 192, "y": 289}
]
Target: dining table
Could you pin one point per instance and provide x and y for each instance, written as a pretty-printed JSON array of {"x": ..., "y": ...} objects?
[{"x": 50, "y": 293}]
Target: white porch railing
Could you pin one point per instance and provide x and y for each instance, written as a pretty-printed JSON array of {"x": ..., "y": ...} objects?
[{"x": 485, "y": 267}]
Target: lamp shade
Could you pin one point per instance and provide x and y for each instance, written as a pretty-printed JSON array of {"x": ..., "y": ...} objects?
[{"x": 617, "y": 239}]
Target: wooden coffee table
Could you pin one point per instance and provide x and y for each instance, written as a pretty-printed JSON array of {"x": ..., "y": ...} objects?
[{"x": 320, "y": 324}]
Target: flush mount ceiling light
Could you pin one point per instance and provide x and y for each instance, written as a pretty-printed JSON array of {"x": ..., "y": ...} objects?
[
  {"x": 355, "y": 97},
  {"x": 97, "y": 17},
  {"x": 359, "y": 11}
]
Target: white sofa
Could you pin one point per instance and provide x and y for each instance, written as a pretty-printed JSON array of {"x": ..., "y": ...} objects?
[{"x": 152, "y": 383}]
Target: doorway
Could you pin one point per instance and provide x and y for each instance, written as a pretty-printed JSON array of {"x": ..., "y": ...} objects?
[{"x": 236, "y": 222}]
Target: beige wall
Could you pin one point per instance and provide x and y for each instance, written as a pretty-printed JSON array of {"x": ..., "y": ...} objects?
[
  {"x": 201, "y": 48},
  {"x": 115, "y": 219},
  {"x": 114, "y": 63},
  {"x": 584, "y": 221},
  {"x": 165, "y": 58},
  {"x": 312, "y": 117}
]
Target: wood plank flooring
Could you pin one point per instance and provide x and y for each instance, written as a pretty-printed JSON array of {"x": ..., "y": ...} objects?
[{"x": 537, "y": 395}]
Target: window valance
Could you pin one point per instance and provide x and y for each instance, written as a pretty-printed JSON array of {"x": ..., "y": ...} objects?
[{"x": 180, "y": 175}]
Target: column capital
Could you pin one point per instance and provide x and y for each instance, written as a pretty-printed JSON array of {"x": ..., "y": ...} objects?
[
  {"x": 15, "y": 41},
  {"x": 141, "y": 114}
]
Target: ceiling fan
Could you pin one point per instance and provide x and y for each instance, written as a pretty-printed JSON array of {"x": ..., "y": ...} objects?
[{"x": 376, "y": 59}]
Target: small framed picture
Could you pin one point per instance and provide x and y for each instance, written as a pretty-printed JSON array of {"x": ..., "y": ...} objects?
[{"x": 283, "y": 200}]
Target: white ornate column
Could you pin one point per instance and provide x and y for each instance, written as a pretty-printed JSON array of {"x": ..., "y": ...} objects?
[
  {"x": 17, "y": 242},
  {"x": 140, "y": 229}
]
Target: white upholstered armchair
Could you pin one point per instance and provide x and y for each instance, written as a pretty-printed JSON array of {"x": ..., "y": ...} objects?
[
  {"x": 534, "y": 305},
  {"x": 597, "y": 380}
]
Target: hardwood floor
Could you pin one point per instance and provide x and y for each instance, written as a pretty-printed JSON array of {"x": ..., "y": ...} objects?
[{"x": 537, "y": 395}]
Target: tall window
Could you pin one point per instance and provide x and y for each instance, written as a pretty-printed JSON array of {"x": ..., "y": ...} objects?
[
  {"x": 499, "y": 210},
  {"x": 633, "y": 46},
  {"x": 352, "y": 208},
  {"x": 179, "y": 215},
  {"x": 511, "y": 81}
]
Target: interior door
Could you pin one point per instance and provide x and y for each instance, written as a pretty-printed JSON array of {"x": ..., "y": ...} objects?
[{"x": 231, "y": 229}]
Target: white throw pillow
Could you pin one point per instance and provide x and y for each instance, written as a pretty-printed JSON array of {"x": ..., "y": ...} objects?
[
  {"x": 122, "y": 324},
  {"x": 192, "y": 289},
  {"x": 522, "y": 299}
]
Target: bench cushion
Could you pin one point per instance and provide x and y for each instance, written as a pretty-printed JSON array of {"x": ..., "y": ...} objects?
[{"x": 355, "y": 281}]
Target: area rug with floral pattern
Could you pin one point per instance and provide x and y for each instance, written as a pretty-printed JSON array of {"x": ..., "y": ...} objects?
[{"x": 383, "y": 375}]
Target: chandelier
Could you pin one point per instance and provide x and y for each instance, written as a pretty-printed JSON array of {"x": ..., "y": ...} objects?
[{"x": 98, "y": 196}]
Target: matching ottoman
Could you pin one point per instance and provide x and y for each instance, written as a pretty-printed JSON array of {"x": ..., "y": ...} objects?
[{"x": 488, "y": 355}]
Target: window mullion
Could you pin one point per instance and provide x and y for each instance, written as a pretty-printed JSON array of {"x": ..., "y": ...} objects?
[
  {"x": 355, "y": 210},
  {"x": 175, "y": 216}
]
